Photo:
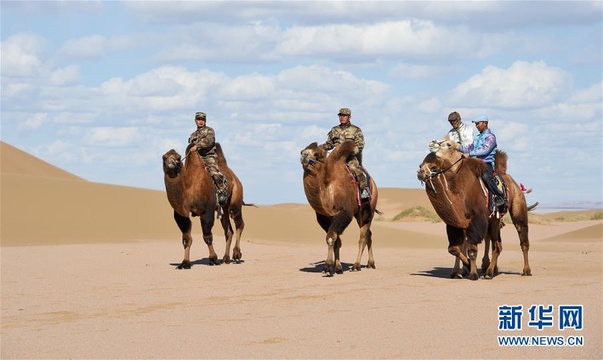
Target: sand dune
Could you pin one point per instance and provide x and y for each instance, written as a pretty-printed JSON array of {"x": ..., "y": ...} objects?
[{"x": 88, "y": 272}]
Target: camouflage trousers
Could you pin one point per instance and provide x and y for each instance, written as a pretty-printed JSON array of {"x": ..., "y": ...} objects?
[
  {"x": 356, "y": 169},
  {"x": 211, "y": 163}
]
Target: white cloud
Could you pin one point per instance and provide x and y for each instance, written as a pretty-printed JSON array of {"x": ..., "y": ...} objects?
[
  {"x": 33, "y": 121},
  {"x": 89, "y": 47},
  {"x": 522, "y": 85},
  {"x": 414, "y": 72},
  {"x": 593, "y": 94},
  {"x": 69, "y": 75},
  {"x": 21, "y": 54},
  {"x": 112, "y": 136}
]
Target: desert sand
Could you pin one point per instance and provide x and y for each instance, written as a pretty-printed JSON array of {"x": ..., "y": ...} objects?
[{"x": 88, "y": 272}]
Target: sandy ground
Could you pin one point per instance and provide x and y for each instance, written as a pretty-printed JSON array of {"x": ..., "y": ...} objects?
[{"x": 89, "y": 272}]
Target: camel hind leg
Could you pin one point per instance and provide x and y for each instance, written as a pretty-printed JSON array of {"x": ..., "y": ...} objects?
[
  {"x": 493, "y": 237},
  {"x": 520, "y": 221},
  {"x": 237, "y": 217},
  {"x": 364, "y": 218},
  {"x": 227, "y": 226},
  {"x": 184, "y": 224}
]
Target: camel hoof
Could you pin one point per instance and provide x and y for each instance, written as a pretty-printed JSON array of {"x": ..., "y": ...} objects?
[
  {"x": 328, "y": 270},
  {"x": 185, "y": 266},
  {"x": 371, "y": 265},
  {"x": 473, "y": 277},
  {"x": 527, "y": 274},
  {"x": 488, "y": 277},
  {"x": 456, "y": 276}
]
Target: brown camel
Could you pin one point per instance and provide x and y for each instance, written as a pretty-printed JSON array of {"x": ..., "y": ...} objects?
[
  {"x": 515, "y": 203},
  {"x": 190, "y": 192},
  {"x": 455, "y": 190},
  {"x": 334, "y": 197}
]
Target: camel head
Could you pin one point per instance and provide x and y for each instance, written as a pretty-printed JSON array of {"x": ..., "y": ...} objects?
[
  {"x": 442, "y": 154},
  {"x": 312, "y": 155},
  {"x": 444, "y": 148},
  {"x": 430, "y": 166},
  {"x": 172, "y": 163}
]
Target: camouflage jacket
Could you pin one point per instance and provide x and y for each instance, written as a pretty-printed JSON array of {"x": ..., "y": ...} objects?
[
  {"x": 205, "y": 139},
  {"x": 341, "y": 133}
]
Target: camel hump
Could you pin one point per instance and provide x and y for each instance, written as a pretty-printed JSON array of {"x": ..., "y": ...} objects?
[
  {"x": 500, "y": 160},
  {"x": 220, "y": 154},
  {"x": 343, "y": 150}
]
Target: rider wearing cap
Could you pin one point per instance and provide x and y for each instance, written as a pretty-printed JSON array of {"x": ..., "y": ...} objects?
[
  {"x": 460, "y": 132},
  {"x": 347, "y": 131},
  {"x": 204, "y": 140},
  {"x": 484, "y": 147}
]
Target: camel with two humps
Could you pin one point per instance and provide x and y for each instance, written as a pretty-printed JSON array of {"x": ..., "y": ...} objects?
[
  {"x": 334, "y": 198},
  {"x": 191, "y": 193},
  {"x": 454, "y": 187}
]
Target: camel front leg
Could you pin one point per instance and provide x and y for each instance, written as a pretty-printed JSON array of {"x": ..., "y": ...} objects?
[
  {"x": 457, "y": 247},
  {"x": 472, "y": 252},
  {"x": 336, "y": 248},
  {"x": 456, "y": 251},
  {"x": 329, "y": 268},
  {"x": 207, "y": 222},
  {"x": 185, "y": 225}
]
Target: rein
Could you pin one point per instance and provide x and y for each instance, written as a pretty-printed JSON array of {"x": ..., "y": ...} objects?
[
  {"x": 448, "y": 168},
  {"x": 438, "y": 173}
]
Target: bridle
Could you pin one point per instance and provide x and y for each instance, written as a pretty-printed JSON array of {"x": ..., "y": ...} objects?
[{"x": 437, "y": 174}]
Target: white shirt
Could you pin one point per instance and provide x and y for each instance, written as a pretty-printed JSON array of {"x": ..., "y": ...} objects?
[{"x": 466, "y": 134}]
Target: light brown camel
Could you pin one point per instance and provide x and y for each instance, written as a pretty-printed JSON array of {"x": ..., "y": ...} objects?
[
  {"x": 334, "y": 197},
  {"x": 453, "y": 187},
  {"x": 190, "y": 192}
]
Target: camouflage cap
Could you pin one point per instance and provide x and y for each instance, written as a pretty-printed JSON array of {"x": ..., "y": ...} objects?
[
  {"x": 345, "y": 111},
  {"x": 200, "y": 115}
]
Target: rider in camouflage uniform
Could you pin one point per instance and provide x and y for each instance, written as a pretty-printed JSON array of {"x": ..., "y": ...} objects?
[
  {"x": 204, "y": 139},
  {"x": 346, "y": 131}
]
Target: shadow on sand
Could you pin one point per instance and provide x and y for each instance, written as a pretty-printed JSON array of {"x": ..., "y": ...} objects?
[
  {"x": 445, "y": 272},
  {"x": 205, "y": 261}
]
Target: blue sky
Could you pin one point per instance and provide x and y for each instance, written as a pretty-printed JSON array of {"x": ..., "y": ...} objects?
[{"x": 103, "y": 89}]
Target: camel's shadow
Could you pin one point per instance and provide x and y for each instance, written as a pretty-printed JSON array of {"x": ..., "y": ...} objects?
[
  {"x": 317, "y": 267},
  {"x": 205, "y": 261},
  {"x": 444, "y": 273}
]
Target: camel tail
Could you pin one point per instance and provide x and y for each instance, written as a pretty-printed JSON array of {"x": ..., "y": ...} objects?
[
  {"x": 500, "y": 159},
  {"x": 533, "y": 206},
  {"x": 249, "y": 204},
  {"x": 378, "y": 212}
]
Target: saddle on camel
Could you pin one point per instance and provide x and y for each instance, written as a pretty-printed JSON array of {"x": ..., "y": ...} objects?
[
  {"x": 190, "y": 192},
  {"x": 455, "y": 188},
  {"x": 333, "y": 194}
]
